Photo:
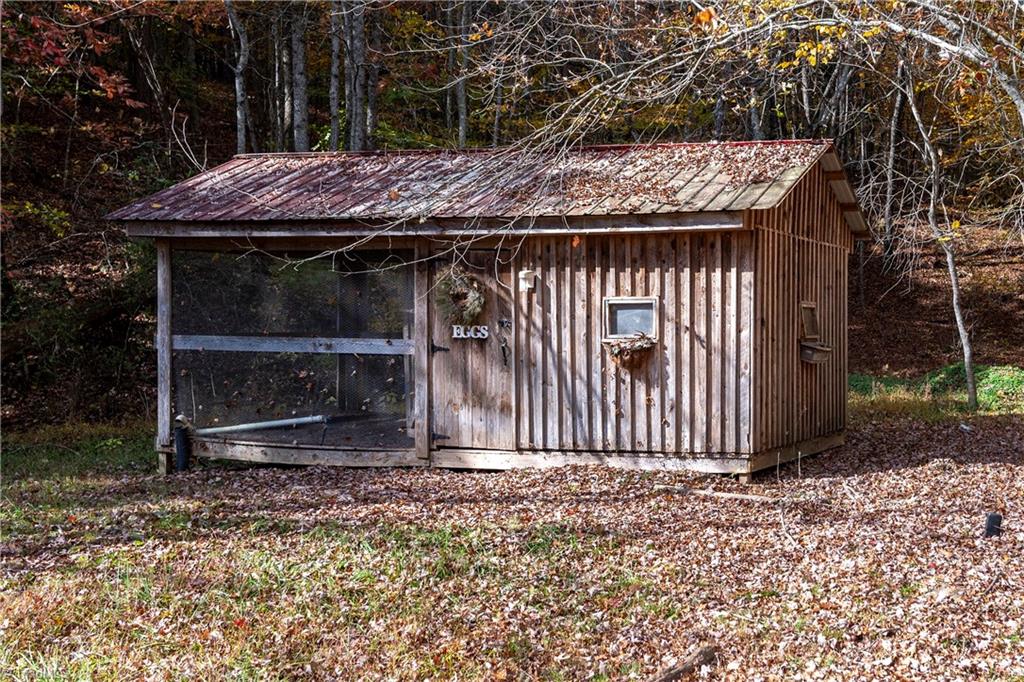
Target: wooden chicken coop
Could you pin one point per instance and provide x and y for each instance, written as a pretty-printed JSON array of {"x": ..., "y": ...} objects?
[{"x": 651, "y": 306}]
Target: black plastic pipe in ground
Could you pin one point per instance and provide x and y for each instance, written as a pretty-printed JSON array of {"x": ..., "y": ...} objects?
[{"x": 182, "y": 448}]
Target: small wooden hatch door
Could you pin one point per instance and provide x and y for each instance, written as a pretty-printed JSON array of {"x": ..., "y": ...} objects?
[{"x": 472, "y": 360}]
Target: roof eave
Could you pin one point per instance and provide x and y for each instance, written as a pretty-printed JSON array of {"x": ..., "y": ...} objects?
[{"x": 708, "y": 221}]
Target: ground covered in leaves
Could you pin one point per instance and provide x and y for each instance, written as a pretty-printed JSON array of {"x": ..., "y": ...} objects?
[{"x": 872, "y": 566}]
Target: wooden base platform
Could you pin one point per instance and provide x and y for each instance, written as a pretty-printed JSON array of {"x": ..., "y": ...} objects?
[{"x": 450, "y": 458}]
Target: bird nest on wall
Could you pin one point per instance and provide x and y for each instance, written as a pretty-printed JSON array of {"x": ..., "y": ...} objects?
[
  {"x": 458, "y": 295},
  {"x": 631, "y": 351}
]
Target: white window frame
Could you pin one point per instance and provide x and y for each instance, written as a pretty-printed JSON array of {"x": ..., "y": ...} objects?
[{"x": 608, "y": 301}]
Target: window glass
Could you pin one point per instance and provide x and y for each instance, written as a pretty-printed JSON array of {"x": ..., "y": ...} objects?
[{"x": 629, "y": 316}]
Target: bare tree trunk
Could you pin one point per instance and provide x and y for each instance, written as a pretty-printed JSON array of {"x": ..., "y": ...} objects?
[
  {"x": 719, "y": 116},
  {"x": 250, "y": 125},
  {"x": 827, "y": 115},
  {"x": 372, "y": 75},
  {"x": 139, "y": 42},
  {"x": 335, "y": 9},
  {"x": 355, "y": 68},
  {"x": 287, "y": 103},
  {"x": 276, "y": 83},
  {"x": 460, "y": 85},
  {"x": 755, "y": 117},
  {"x": 449, "y": 91},
  {"x": 349, "y": 75},
  {"x": 888, "y": 234},
  {"x": 934, "y": 199},
  {"x": 300, "y": 103},
  {"x": 238, "y": 30}
]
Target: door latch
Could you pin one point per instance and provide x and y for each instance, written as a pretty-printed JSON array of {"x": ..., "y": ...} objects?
[
  {"x": 434, "y": 348},
  {"x": 439, "y": 436}
]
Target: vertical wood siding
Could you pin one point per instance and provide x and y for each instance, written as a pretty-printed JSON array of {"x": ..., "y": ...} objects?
[
  {"x": 802, "y": 248},
  {"x": 693, "y": 394}
]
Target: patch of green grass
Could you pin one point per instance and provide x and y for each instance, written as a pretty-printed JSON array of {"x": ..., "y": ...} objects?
[
  {"x": 908, "y": 590},
  {"x": 57, "y": 452},
  {"x": 940, "y": 394}
]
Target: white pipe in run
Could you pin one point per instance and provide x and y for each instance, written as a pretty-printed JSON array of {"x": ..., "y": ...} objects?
[{"x": 256, "y": 426}]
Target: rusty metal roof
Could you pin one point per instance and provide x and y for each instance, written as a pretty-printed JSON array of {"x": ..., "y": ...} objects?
[{"x": 492, "y": 183}]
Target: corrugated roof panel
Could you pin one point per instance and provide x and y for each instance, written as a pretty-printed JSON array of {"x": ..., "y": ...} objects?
[{"x": 496, "y": 183}]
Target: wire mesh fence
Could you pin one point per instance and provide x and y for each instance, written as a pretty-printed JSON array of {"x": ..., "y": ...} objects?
[{"x": 366, "y": 399}]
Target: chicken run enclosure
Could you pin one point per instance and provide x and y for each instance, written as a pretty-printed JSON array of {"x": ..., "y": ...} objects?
[{"x": 649, "y": 306}]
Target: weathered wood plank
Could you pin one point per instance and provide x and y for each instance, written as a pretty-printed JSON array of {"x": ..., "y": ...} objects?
[
  {"x": 715, "y": 356},
  {"x": 163, "y": 353},
  {"x": 497, "y": 459},
  {"x": 745, "y": 344},
  {"x": 273, "y": 454},
  {"x": 293, "y": 344},
  {"x": 700, "y": 343},
  {"x": 422, "y": 340}
]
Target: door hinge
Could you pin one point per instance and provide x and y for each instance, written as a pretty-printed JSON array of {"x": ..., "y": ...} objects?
[
  {"x": 438, "y": 436},
  {"x": 434, "y": 348}
]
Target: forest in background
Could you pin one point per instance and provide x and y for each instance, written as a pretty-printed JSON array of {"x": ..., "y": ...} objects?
[{"x": 104, "y": 102}]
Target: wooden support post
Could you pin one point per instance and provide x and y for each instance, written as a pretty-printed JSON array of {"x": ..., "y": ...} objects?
[
  {"x": 422, "y": 340},
  {"x": 164, "y": 445}
]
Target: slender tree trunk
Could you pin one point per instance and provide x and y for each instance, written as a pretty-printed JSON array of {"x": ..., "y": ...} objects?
[
  {"x": 277, "y": 82},
  {"x": 287, "y": 101},
  {"x": 805, "y": 99},
  {"x": 934, "y": 199},
  {"x": 193, "y": 71},
  {"x": 888, "y": 234},
  {"x": 350, "y": 72},
  {"x": 372, "y": 74},
  {"x": 242, "y": 52},
  {"x": 460, "y": 85},
  {"x": 356, "y": 104},
  {"x": 755, "y": 117},
  {"x": 334, "y": 96},
  {"x": 250, "y": 125},
  {"x": 719, "y": 116},
  {"x": 300, "y": 103},
  {"x": 449, "y": 91},
  {"x": 139, "y": 42}
]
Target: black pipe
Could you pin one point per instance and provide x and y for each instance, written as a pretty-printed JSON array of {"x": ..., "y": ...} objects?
[{"x": 182, "y": 448}]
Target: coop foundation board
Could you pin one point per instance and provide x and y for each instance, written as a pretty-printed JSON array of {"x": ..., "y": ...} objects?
[{"x": 673, "y": 347}]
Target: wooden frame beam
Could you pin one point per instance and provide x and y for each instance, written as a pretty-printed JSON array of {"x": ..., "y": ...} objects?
[
  {"x": 454, "y": 227},
  {"x": 163, "y": 355},
  {"x": 293, "y": 344},
  {"x": 422, "y": 342},
  {"x": 304, "y": 455}
]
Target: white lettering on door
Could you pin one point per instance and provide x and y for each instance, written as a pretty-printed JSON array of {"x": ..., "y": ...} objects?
[{"x": 460, "y": 331}]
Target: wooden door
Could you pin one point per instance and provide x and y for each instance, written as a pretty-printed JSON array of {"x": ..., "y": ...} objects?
[{"x": 472, "y": 369}]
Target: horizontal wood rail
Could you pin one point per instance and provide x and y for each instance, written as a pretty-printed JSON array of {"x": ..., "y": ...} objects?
[{"x": 293, "y": 344}]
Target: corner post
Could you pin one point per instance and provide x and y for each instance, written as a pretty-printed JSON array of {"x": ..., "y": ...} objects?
[
  {"x": 421, "y": 334},
  {"x": 164, "y": 444}
]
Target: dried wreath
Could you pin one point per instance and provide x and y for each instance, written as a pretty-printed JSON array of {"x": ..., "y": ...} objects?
[
  {"x": 458, "y": 295},
  {"x": 629, "y": 352}
]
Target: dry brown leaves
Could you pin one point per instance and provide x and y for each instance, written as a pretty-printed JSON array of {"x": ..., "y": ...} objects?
[{"x": 872, "y": 568}]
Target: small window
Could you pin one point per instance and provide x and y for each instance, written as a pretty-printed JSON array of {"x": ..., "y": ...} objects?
[
  {"x": 626, "y": 316},
  {"x": 809, "y": 317}
]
